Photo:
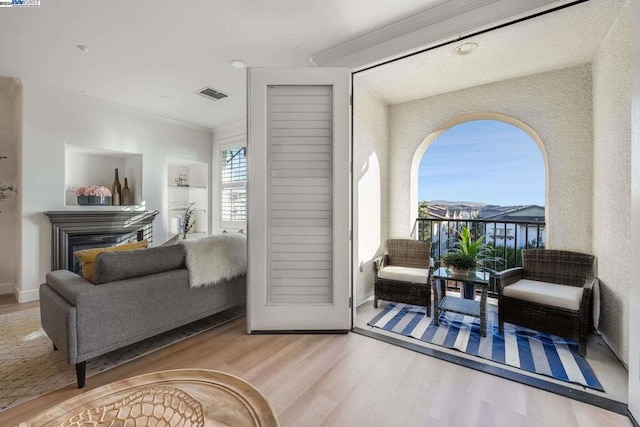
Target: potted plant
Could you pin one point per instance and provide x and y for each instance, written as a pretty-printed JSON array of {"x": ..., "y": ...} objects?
[
  {"x": 458, "y": 262},
  {"x": 475, "y": 250},
  {"x": 93, "y": 195},
  {"x": 187, "y": 224}
]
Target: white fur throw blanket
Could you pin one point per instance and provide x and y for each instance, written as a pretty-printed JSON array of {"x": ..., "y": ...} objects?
[{"x": 214, "y": 258}]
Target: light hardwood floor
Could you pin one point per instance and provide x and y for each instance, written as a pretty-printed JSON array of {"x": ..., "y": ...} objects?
[
  {"x": 349, "y": 380},
  {"x": 608, "y": 369}
]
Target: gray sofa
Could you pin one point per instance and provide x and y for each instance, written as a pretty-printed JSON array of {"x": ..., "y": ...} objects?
[{"x": 136, "y": 295}]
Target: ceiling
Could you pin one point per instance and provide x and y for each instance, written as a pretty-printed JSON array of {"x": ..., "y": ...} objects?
[
  {"x": 141, "y": 52},
  {"x": 561, "y": 39}
]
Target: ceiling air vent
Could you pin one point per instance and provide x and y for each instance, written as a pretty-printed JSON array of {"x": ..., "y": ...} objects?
[{"x": 211, "y": 93}]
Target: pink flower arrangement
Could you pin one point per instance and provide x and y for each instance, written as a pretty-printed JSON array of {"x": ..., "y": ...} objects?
[{"x": 93, "y": 190}]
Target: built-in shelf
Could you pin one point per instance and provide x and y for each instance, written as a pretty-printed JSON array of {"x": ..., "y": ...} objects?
[
  {"x": 187, "y": 183},
  {"x": 94, "y": 166},
  {"x": 129, "y": 208},
  {"x": 183, "y": 209},
  {"x": 189, "y": 235},
  {"x": 195, "y": 187}
]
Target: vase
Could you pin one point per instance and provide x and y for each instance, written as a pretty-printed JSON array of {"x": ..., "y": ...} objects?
[
  {"x": 459, "y": 271},
  {"x": 126, "y": 194},
  {"x": 94, "y": 200},
  {"x": 116, "y": 190}
]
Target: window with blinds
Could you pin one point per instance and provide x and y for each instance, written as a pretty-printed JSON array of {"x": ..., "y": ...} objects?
[{"x": 233, "y": 198}]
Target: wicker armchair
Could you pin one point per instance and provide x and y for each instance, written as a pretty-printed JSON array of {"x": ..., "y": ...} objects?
[
  {"x": 404, "y": 273},
  {"x": 530, "y": 295}
]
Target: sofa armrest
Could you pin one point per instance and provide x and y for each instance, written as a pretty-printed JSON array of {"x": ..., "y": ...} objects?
[
  {"x": 507, "y": 277},
  {"x": 117, "y": 313},
  {"x": 68, "y": 285},
  {"x": 58, "y": 319}
]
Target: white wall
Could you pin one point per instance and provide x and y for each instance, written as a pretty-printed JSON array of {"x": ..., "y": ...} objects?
[
  {"x": 556, "y": 105},
  {"x": 52, "y": 119},
  {"x": 634, "y": 300},
  {"x": 612, "y": 180},
  {"x": 9, "y": 128},
  {"x": 371, "y": 185}
]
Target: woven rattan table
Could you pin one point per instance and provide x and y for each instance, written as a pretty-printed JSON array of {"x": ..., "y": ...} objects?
[{"x": 470, "y": 307}]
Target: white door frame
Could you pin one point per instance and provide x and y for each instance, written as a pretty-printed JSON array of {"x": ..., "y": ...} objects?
[
  {"x": 634, "y": 300},
  {"x": 261, "y": 315}
]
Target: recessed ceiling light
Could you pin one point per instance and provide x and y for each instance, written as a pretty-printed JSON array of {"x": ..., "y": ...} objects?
[
  {"x": 466, "y": 48},
  {"x": 83, "y": 48},
  {"x": 238, "y": 63},
  {"x": 167, "y": 98}
]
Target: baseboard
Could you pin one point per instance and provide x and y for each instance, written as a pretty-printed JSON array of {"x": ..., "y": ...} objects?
[
  {"x": 615, "y": 353},
  {"x": 358, "y": 304},
  {"x": 7, "y": 288},
  {"x": 300, "y": 331},
  {"x": 27, "y": 296}
]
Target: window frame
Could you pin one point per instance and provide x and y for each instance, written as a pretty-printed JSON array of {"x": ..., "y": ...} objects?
[{"x": 230, "y": 225}]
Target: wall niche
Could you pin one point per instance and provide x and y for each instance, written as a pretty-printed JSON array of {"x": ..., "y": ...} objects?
[
  {"x": 92, "y": 166},
  {"x": 187, "y": 185}
]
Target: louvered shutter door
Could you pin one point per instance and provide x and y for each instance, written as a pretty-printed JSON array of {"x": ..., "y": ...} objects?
[
  {"x": 298, "y": 216},
  {"x": 299, "y": 205}
]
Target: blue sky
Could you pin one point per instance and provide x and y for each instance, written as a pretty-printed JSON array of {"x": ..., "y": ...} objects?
[{"x": 483, "y": 161}]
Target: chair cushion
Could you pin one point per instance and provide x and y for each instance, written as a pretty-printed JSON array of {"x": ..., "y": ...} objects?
[
  {"x": 404, "y": 274},
  {"x": 545, "y": 293}
]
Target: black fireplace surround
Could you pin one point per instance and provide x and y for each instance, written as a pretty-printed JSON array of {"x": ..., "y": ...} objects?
[{"x": 76, "y": 230}]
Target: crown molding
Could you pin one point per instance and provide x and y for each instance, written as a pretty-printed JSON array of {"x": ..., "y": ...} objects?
[
  {"x": 445, "y": 22},
  {"x": 102, "y": 103},
  {"x": 231, "y": 132}
]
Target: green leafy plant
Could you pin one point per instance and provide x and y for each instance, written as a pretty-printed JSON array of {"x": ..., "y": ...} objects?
[
  {"x": 477, "y": 249},
  {"x": 459, "y": 260},
  {"x": 187, "y": 224}
]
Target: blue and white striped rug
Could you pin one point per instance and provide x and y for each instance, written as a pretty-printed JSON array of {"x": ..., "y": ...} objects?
[{"x": 520, "y": 347}]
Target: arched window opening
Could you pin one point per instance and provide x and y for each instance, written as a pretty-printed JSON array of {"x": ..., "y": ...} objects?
[{"x": 487, "y": 175}]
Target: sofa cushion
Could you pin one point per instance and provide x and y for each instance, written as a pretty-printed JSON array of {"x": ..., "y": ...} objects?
[
  {"x": 545, "y": 293},
  {"x": 87, "y": 257},
  {"x": 404, "y": 274},
  {"x": 114, "y": 266}
]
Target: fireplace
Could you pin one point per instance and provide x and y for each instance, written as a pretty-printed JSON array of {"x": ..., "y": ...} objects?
[{"x": 76, "y": 230}]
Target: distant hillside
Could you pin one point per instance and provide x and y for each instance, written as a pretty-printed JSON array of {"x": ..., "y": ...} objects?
[
  {"x": 473, "y": 210},
  {"x": 450, "y": 203}
]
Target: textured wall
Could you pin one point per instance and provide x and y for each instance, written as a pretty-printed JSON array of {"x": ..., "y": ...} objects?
[
  {"x": 612, "y": 180},
  {"x": 370, "y": 189},
  {"x": 556, "y": 105}
]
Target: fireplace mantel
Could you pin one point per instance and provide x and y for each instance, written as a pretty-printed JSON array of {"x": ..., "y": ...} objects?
[{"x": 69, "y": 226}]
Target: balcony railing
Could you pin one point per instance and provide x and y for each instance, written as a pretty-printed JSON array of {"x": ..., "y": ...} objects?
[{"x": 506, "y": 238}]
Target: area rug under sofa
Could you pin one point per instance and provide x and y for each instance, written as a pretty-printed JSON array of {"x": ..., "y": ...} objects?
[{"x": 30, "y": 368}]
